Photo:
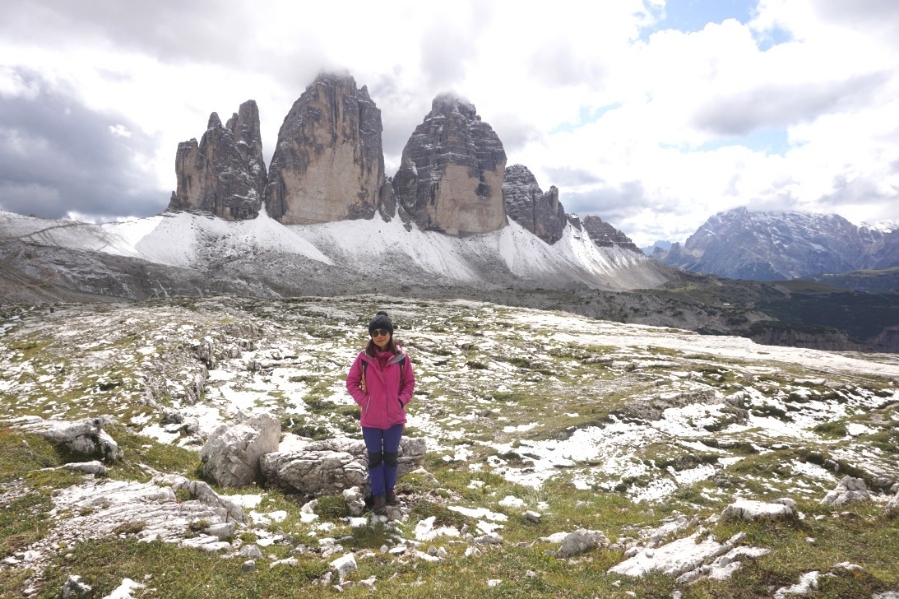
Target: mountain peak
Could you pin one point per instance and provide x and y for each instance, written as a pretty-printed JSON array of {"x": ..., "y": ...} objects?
[{"x": 739, "y": 244}]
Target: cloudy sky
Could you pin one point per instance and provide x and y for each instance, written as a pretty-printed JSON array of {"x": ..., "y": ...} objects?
[{"x": 651, "y": 114}]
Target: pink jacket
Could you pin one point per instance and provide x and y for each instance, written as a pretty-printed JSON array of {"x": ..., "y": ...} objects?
[{"x": 382, "y": 400}]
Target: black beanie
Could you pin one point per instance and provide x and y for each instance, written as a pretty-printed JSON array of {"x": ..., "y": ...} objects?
[{"x": 380, "y": 321}]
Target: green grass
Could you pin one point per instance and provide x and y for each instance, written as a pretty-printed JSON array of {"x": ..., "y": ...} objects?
[{"x": 23, "y": 521}]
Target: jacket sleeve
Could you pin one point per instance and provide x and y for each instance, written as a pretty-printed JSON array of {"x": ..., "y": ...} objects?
[
  {"x": 408, "y": 382},
  {"x": 354, "y": 382}
]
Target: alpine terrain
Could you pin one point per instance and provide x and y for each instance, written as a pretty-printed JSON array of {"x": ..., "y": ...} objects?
[
  {"x": 771, "y": 246},
  {"x": 176, "y": 423}
]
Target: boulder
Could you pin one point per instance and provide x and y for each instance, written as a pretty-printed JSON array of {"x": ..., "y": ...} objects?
[
  {"x": 231, "y": 454},
  {"x": 451, "y": 175},
  {"x": 527, "y": 204},
  {"x": 329, "y": 164},
  {"x": 85, "y": 436},
  {"x": 750, "y": 510},
  {"x": 224, "y": 174},
  {"x": 332, "y": 466},
  {"x": 355, "y": 501},
  {"x": 892, "y": 505},
  {"x": 580, "y": 541},
  {"x": 73, "y": 587},
  {"x": 848, "y": 490},
  {"x": 344, "y": 565}
]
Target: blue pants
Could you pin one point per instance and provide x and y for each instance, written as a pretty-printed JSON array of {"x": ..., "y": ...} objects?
[{"x": 383, "y": 446}]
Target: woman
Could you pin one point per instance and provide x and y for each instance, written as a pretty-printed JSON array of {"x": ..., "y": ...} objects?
[{"x": 381, "y": 382}]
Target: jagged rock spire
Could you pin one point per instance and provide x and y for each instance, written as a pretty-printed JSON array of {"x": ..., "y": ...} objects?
[
  {"x": 527, "y": 204},
  {"x": 328, "y": 164},
  {"x": 224, "y": 174}
]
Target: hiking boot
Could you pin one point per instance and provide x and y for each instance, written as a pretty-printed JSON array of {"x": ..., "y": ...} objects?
[
  {"x": 391, "y": 497},
  {"x": 379, "y": 505}
]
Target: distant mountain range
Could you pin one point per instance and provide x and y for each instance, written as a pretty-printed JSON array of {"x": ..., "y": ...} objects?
[{"x": 772, "y": 246}]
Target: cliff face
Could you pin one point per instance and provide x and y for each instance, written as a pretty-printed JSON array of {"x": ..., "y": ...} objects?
[
  {"x": 224, "y": 174},
  {"x": 452, "y": 171},
  {"x": 527, "y": 204},
  {"x": 328, "y": 164},
  {"x": 605, "y": 235}
]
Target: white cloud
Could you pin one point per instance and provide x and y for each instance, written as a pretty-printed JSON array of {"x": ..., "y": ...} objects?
[{"x": 656, "y": 163}]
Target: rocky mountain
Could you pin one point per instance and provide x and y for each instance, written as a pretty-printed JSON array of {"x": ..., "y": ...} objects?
[
  {"x": 182, "y": 253},
  {"x": 768, "y": 246},
  {"x": 527, "y": 204},
  {"x": 327, "y": 211},
  {"x": 225, "y": 173},
  {"x": 605, "y": 235},
  {"x": 451, "y": 175},
  {"x": 328, "y": 164}
]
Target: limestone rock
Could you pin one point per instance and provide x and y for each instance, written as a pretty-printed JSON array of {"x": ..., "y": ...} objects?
[
  {"x": 85, "y": 436},
  {"x": 527, "y": 204},
  {"x": 225, "y": 173},
  {"x": 676, "y": 558},
  {"x": 344, "y": 565},
  {"x": 893, "y": 504},
  {"x": 329, "y": 164},
  {"x": 605, "y": 235},
  {"x": 580, "y": 541},
  {"x": 231, "y": 455},
  {"x": 93, "y": 467},
  {"x": 746, "y": 509},
  {"x": 75, "y": 588},
  {"x": 332, "y": 466},
  {"x": 808, "y": 582},
  {"x": 251, "y": 551},
  {"x": 355, "y": 501},
  {"x": 849, "y": 489},
  {"x": 452, "y": 170}
]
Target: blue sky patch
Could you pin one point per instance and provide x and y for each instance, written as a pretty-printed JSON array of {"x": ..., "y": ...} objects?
[
  {"x": 770, "y": 140},
  {"x": 586, "y": 115},
  {"x": 765, "y": 40},
  {"x": 689, "y": 16}
]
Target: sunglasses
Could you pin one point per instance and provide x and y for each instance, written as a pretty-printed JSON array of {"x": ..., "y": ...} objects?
[{"x": 379, "y": 332}]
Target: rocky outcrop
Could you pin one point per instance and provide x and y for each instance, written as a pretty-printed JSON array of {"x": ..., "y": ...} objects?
[
  {"x": 848, "y": 490},
  {"x": 332, "y": 466},
  {"x": 231, "y": 455},
  {"x": 751, "y": 510},
  {"x": 690, "y": 558},
  {"x": 85, "y": 436},
  {"x": 224, "y": 174},
  {"x": 527, "y": 204},
  {"x": 451, "y": 176},
  {"x": 328, "y": 165},
  {"x": 580, "y": 541},
  {"x": 605, "y": 235}
]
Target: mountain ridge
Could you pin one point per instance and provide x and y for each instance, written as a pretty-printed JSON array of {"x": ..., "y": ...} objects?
[{"x": 770, "y": 246}]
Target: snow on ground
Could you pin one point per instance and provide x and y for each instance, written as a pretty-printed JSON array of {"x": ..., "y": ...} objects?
[
  {"x": 499, "y": 389},
  {"x": 189, "y": 240}
]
